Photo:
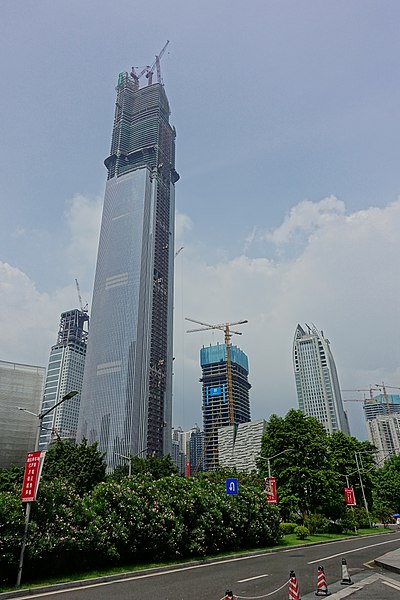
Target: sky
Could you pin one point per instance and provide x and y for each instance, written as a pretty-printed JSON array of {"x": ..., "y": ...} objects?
[{"x": 288, "y": 206}]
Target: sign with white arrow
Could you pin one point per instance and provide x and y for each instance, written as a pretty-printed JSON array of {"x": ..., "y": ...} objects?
[{"x": 232, "y": 486}]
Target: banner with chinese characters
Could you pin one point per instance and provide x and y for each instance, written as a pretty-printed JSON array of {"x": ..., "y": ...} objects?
[
  {"x": 270, "y": 489},
  {"x": 33, "y": 471},
  {"x": 349, "y": 496}
]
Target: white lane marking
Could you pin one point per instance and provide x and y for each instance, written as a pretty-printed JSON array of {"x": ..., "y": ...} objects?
[
  {"x": 31, "y": 593},
  {"x": 396, "y": 587},
  {"x": 251, "y": 578},
  {"x": 350, "y": 551}
]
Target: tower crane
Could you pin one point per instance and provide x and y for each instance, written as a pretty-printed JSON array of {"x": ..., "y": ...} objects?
[
  {"x": 383, "y": 387},
  {"x": 84, "y": 309},
  {"x": 370, "y": 390},
  {"x": 178, "y": 251},
  {"x": 149, "y": 70},
  {"x": 225, "y": 327}
]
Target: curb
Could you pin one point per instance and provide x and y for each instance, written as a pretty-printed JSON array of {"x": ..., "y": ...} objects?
[{"x": 121, "y": 576}]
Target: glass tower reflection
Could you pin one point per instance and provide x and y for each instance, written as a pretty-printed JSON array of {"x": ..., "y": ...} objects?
[{"x": 127, "y": 388}]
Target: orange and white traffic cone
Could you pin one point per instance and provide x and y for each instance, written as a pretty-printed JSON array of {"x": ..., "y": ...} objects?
[
  {"x": 322, "y": 586},
  {"x": 345, "y": 574},
  {"x": 294, "y": 593}
]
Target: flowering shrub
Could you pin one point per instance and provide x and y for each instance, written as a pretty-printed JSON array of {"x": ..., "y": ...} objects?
[{"x": 135, "y": 520}]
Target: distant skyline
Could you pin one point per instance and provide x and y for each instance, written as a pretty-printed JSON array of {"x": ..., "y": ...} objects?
[{"x": 288, "y": 139}]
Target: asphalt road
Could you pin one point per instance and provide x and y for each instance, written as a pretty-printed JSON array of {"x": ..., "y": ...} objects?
[{"x": 247, "y": 576}]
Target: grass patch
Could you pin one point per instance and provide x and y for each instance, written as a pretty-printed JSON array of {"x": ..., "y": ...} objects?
[{"x": 287, "y": 540}]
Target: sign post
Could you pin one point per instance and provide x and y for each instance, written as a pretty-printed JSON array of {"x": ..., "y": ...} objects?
[{"x": 33, "y": 471}]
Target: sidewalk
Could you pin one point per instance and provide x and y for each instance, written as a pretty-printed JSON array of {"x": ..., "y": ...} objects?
[
  {"x": 368, "y": 585},
  {"x": 389, "y": 561}
]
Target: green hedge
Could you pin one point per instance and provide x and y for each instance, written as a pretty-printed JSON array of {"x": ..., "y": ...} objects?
[{"x": 137, "y": 520}]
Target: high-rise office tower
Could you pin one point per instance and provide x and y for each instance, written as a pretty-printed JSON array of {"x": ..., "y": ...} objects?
[
  {"x": 20, "y": 386},
  {"x": 317, "y": 382},
  {"x": 216, "y": 409},
  {"x": 126, "y": 398},
  {"x": 65, "y": 374}
]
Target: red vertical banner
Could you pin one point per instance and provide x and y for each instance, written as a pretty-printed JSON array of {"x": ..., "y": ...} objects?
[
  {"x": 270, "y": 489},
  {"x": 349, "y": 496},
  {"x": 187, "y": 468},
  {"x": 33, "y": 470}
]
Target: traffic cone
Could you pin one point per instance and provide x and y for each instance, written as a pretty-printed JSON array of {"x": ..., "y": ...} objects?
[
  {"x": 345, "y": 574},
  {"x": 322, "y": 587},
  {"x": 294, "y": 593}
]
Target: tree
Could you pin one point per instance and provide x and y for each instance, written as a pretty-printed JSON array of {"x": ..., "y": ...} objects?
[
  {"x": 11, "y": 477},
  {"x": 306, "y": 478},
  {"x": 156, "y": 466},
  {"x": 387, "y": 485},
  {"x": 343, "y": 449},
  {"x": 81, "y": 464}
]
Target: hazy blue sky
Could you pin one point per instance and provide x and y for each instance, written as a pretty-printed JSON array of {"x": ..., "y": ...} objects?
[{"x": 288, "y": 138}]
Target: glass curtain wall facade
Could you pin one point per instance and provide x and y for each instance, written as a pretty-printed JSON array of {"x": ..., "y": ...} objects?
[
  {"x": 65, "y": 374},
  {"x": 127, "y": 390},
  {"x": 216, "y": 413},
  {"x": 20, "y": 385},
  {"x": 317, "y": 382}
]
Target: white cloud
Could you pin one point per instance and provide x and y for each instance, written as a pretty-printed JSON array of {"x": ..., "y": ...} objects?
[
  {"x": 306, "y": 217},
  {"x": 183, "y": 225},
  {"x": 344, "y": 278},
  {"x": 83, "y": 216}
]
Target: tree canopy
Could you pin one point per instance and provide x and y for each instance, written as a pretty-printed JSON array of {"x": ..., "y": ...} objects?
[{"x": 81, "y": 464}]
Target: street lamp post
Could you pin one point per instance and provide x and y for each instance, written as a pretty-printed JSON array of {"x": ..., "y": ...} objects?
[
  {"x": 43, "y": 414},
  {"x": 362, "y": 487},
  {"x": 129, "y": 458},
  {"x": 274, "y": 456},
  {"x": 28, "y": 504}
]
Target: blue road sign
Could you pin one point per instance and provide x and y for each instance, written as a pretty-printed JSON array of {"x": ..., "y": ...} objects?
[{"x": 232, "y": 486}]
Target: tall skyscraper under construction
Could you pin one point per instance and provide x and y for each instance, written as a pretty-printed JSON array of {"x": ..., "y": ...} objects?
[
  {"x": 64, "y": 374},
  {"x": 126, "y": 396},
  {"x": 216, "y": 409},
  {"x": 317, "y": 382}
]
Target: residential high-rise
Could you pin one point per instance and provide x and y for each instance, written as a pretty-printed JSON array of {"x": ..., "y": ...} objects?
[
  {"x": 127, "y": 389},
  {"x": 20, "y": 386},
  {"x": 216, "y": 410},
  {"x": 384, "y": 433},
  {"x": 65, "y": 374},
  {"x": 317, "y": 382}
]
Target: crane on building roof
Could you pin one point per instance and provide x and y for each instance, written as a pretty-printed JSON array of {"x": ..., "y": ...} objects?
[
  {"x": 225, "y": 327},
  {"x": 148, "y": 70},
  {"x": 376, "y": 387},
  {"x": 371, "y": 390},
  {"x": 84, "y": 309}
]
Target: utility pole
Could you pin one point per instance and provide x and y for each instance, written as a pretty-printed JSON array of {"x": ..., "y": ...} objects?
[
  {"x": 40, "y": 417},
  {"x": 362, "y": 486}
]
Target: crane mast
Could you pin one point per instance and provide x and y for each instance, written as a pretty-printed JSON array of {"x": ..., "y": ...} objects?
[{"x": 225, "y": 327}]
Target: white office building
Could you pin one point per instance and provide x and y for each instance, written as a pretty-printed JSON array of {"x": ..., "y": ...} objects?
[{"x": 317, "y": 382}]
